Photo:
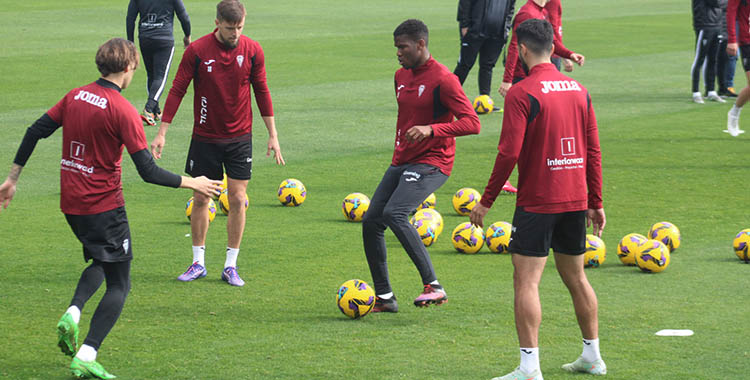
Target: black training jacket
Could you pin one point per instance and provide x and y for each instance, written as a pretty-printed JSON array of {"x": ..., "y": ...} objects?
[
  {"x": 486, "y": 18},
  {"x": 708, "y": 13},
  {"x": 157, "y": 18}
]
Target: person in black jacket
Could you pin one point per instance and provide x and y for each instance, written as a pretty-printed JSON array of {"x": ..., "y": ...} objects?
[
  {"x": 157, "y": 45},
  {"x": 707, "y": 23},
  {"x": 484, "y": 27}
]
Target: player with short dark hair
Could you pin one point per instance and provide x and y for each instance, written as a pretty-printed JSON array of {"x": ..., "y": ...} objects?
[
  {"x": 429, "y": 97},
  {"x": 738, "y": 13},
  {"x": 533, "y": 9},
  {"x": 156, "y": 40},
  {"x": 549, "y": 129},
  {"x": 223, "y": 66},
  {"x": 97, "y": 122}
]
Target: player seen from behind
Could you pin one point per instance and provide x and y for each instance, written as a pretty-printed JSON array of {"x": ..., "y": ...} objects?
[
  {"x": 157, "y": 45},
  {"x": 549, "y": 130},
  {"x": 97, "y": 122}
]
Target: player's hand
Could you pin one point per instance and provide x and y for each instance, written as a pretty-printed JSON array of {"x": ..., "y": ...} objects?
[
  {"x": 577, "y": 58},
  {"x": 504, "y": 87},
  {"x": 186, "y": 41},
  {"x": 567, "y": 65},
  {"x": 732, "y": 48},
  {"x": 273, "y": 145},
  {"x": 418, "y": 133},
  {"x": 157, "y": 144},
  {"x": 205, "y": 186},
  {"x": 596, "y": 218},
  {"x": 477, "y": 215},
  {"x": 464, "y": 31},
  {"x": 7, "y": 190}
]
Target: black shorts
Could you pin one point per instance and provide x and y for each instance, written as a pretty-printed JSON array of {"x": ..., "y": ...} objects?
[
  {"x": 105, "y": 236},
  {"x": 745, "y": 55},
  {"x": 534, "y": 234},
  {"x": 207, "y": 159}
]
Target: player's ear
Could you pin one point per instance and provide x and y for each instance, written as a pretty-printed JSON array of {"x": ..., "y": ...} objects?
[{"x": 216, "y": 21}]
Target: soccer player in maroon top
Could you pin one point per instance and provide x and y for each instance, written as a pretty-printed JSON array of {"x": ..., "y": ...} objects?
[
  {"x": 738, "y": 11},
  {"x": 223, "y": 66},
  {"x": 550, "y": 130},
  {"x": 533, "y": 9},
  {"x": 429, "y": 97},
  {"x": 97, "y": 122}
]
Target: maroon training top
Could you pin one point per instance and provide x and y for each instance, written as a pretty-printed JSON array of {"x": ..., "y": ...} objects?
[
  {"x": 549, "y": 129},
  {"x": 431, "y": 95},
  {"x": 221, "y": 80},
  {"x": 528, "y": 11},
  {"x": 738, "y": 11},
  {"x": 97, "y": 122}
]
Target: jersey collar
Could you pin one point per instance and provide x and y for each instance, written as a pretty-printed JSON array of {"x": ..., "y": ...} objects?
[
  {"x": 542, "y": 67},
  {"x": 107, "y": 84}
]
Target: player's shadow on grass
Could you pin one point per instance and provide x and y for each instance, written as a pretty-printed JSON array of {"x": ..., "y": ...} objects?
[
  {"x": 726, "y": 259},
  {"x": 338, "y": 317}
]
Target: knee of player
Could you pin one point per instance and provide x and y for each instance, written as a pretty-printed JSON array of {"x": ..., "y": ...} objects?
[
  {"x": 200, "y": 200},
  {"x": 237, "y": 201},
  {"x": 394, "y": 216}
]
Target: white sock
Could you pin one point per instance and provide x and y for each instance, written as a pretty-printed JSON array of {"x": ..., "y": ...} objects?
[
  {"x": 231, "y": 257},
  {"x": 696, "y": 94},
  {"x": 529, "y": 360},
  {"x": 86, "y": 353},
  {"x": 199, "y": 253},
  {"x": 735, "y": 111},
  {"x": 591, "y": 350},
  {"x": 435, "y": 283},
  {"x": 386, "y": 296},
  {"x": 74, "y": 312}
]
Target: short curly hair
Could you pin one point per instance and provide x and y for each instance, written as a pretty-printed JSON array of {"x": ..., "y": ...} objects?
[{"x": 414, "y": 29}]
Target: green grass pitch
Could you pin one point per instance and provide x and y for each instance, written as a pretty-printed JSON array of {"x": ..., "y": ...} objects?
[{"x": 330, "y": 67}]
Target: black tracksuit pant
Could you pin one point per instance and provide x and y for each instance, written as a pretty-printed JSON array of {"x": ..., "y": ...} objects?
[
  {"x": 488, "y": 49},
  {"x": 399, "y": 193},
  {"x": 707, "y": 42},
  {"x": 157, "y": 57}
]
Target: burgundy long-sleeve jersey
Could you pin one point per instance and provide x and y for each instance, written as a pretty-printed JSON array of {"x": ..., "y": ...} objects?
[
  {"x": 549, "y": 129},
  {"x": 738, "y": 11},
  {"x": 221, "y": 77},
  {"x": 97, "y": 122},
  {"x": 554, "y": 16},
  {"x": 431, "y": 95},
  {"x": 513, "y": 68}
]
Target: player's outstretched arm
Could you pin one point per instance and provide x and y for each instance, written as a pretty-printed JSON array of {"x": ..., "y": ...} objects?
[
  {"x": 152, "y": 173},
  {"x": 273, "y": 140},
  {"x": 8, "y": 188},
  {"x": 202, "y": 185},
  {"x": 42, "y": 128},
  {"x": 157, "y": 144}
]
